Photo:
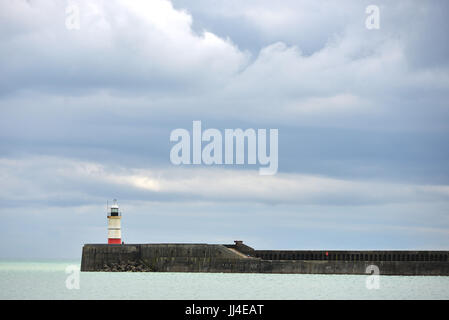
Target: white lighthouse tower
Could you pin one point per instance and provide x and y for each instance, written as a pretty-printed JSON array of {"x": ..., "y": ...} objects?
[{"x": 114, "y": 225}]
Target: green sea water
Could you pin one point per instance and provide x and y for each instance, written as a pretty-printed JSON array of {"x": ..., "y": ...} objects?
[{"x": 50, "y": 280}]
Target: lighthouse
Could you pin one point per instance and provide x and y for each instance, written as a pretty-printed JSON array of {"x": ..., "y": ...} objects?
[{"x": 114, "y": 225}]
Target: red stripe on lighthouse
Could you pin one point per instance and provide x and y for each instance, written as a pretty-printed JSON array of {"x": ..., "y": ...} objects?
[{"x": 114, "y": 241}]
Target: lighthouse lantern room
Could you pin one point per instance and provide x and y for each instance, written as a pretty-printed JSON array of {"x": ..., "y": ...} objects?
[{"x": 114, "y": 225}]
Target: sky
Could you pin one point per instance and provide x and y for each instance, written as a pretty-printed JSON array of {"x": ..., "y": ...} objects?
[{"x": 86, "y": 115}]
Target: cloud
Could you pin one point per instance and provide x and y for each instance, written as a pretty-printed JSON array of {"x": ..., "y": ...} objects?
[
  {"x": 136, "y": 44},
  {"x": 127, "y": 60},
  {"x": 362, "y": 116},
  {"x": 46, "y": 179}
]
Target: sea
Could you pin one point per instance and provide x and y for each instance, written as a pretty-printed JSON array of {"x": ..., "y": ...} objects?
[{"x": 62, "y": 280}]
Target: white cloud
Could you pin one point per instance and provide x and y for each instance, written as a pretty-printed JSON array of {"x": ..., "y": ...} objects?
[
  {"x": 55, "y": 178},
  {"x": 147, "y": 54},
  {"x": 135, "y": 41}
]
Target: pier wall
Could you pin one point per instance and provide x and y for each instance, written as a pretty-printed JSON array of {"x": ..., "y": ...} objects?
[
  {"x": 344, "y": 255},
  {"x": 226, "y": 258}
]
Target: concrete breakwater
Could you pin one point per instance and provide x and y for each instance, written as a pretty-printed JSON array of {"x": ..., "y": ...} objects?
[{"x": 240, "y": 258}]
